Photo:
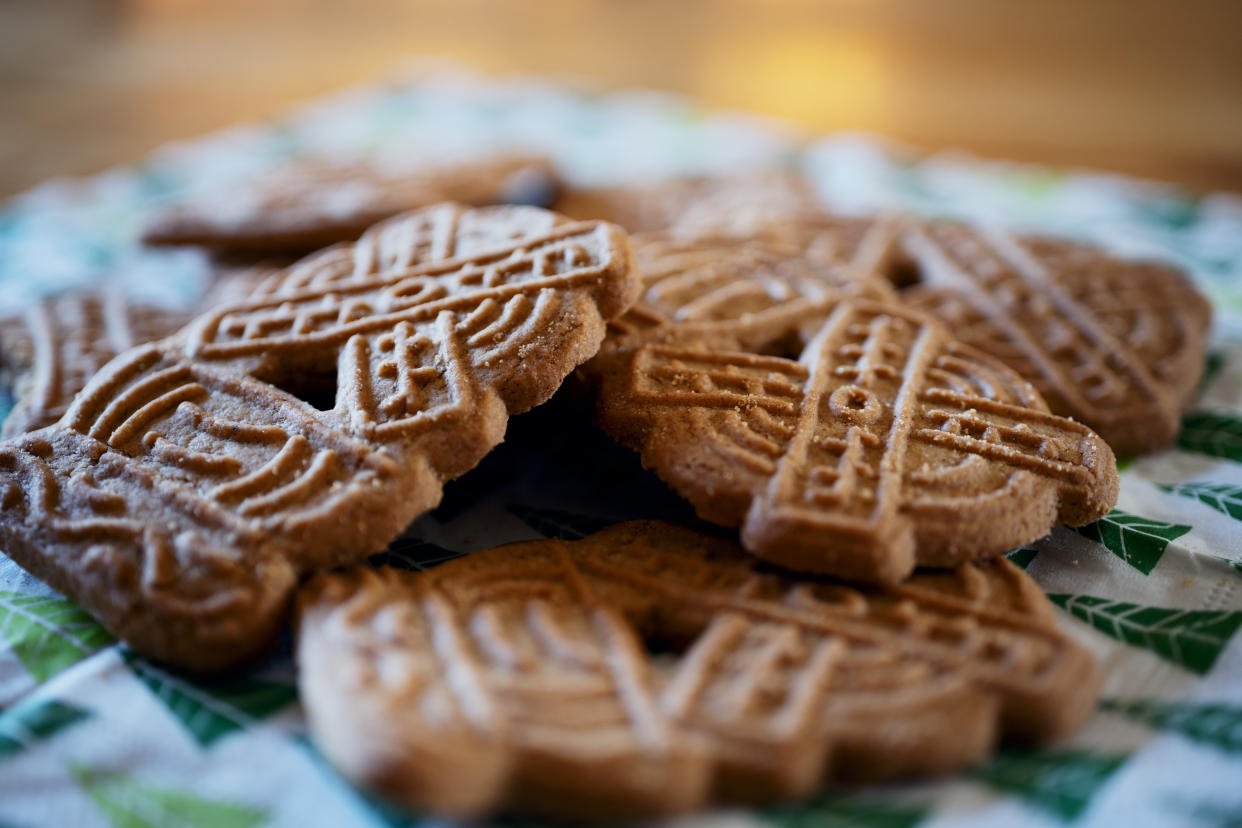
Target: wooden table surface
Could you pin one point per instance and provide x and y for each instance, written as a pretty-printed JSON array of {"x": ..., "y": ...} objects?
[{"x": 1137, "y": 86}]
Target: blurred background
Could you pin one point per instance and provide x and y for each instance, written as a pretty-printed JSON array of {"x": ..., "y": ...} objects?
[{"x": 1146, "y": 87}]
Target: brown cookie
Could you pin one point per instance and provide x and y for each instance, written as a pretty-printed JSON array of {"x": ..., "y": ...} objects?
[
  {"x": 885, "y": 445},
  {"x": 51, "y": 352},
  {"x": 195, "y": 479},
  {"x": 798, "y": 224},
  {"x": 312, "y": 204},
  {"x": 1116, "y": 344},
  {"x": 650, "y": 670},
  {"x": 233, "y": 282},
  {"x": 701, "y": 203},
  {"x": 749, "y": 294}
]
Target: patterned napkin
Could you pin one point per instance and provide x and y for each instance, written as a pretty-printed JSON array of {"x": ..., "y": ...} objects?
[{"x": 92, "y": 734}]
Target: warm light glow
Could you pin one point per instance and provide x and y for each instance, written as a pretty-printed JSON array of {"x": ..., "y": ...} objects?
[{"x": 826, "y": 81}]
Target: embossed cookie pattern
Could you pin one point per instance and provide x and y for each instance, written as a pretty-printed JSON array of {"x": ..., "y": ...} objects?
[
  {"x": 53, "y": 350},
  {"x": 885, "y": 444},
  {"x": 649, "y": 669},
  {"x": 194, "y": 479},
  {"x": 1116, "y": 344}
]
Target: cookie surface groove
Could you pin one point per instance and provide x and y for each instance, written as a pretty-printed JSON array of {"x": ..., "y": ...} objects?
[
  {"x": 650, "y": 669},
  {"x": 751, "y": 294},
  {"x": 1115, "y": 344},
  {"x": 52, "y": 351}
]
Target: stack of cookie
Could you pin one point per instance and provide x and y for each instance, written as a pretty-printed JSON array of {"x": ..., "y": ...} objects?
[{"x": 872, "y": 410}]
